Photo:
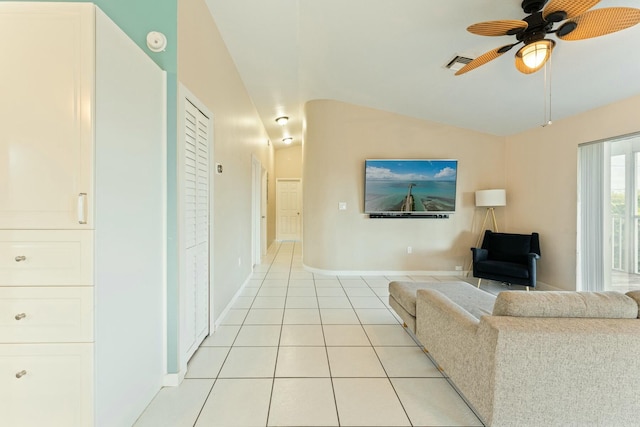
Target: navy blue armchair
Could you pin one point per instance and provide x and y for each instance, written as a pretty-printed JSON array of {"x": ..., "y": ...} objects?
[{"x": 508, "y": 258}]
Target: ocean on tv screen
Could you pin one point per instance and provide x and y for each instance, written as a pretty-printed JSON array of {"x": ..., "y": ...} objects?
[{"x": 410, "y": 186}]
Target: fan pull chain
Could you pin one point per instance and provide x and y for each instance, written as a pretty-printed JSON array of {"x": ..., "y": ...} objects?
[{"x": 547, "y": 94}]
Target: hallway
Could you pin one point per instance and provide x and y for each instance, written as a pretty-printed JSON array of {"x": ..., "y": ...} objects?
[{"x": 302, "y": 349}]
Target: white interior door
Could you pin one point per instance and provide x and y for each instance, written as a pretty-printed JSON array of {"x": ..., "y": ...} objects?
[
  {"x": 289, "y": 209},
  {"x": 256, "y": 211},
  {"x": 263, "y": 212},
  {"x": 194, "y": 318}
]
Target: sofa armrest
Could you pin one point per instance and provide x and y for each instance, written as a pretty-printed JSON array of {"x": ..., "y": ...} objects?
[
  {"x": 451, "y": 335},
  {"x": 562, "y": 366},
  {"x": 430, "y": 301}
]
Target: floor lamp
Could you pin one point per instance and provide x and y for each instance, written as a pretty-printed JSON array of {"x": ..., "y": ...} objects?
[{"x": 489, "y": 199}]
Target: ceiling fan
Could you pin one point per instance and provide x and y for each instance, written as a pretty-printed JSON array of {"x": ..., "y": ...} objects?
[{"x": 579, "y": 23}]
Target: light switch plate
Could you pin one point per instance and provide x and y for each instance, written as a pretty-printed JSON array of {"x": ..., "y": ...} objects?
[{"x": 342, "y": 206}]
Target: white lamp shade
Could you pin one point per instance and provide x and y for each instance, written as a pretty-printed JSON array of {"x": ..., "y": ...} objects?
[{"x": 491, "y": 198}]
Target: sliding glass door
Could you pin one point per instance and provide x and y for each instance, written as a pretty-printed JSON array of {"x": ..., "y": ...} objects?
[{"x": 609, "y": 214}]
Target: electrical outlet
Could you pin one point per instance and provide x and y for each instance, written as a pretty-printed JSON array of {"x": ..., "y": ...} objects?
[
  {"x": 409, "y": 249},
  {"x": 458, "y": 268}
]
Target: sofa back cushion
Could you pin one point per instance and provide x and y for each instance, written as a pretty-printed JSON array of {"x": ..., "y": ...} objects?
[
  {"x": 608, "y": 305},
  {"x": 507, "y": 246},
  {"x": 636, "y": 297}
]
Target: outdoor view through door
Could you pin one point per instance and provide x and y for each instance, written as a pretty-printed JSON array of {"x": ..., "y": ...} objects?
[
  {"x": 609, "y": 214},
  {"x": 624, "y": 209}
]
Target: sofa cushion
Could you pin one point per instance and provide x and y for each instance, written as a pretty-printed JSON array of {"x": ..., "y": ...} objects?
[
  {"x": 475, "y": 301},
  {"x": 636, "y": 297},
  {"x": 608, "y": 305}
]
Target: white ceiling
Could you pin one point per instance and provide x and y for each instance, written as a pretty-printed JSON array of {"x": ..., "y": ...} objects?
[{"x": 390, "y": 55}]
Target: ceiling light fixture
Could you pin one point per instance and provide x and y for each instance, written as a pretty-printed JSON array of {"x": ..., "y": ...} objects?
[
  {"x": 531, "y": 57},
  {"x": 288, "y": 140},
  {"x": 282, "y": 120}
]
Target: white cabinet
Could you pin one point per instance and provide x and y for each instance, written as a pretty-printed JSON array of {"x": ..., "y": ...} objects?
[
  {"x": 82, "y": 219},
  {"x": 46, "y": 384},
  {"x": 46, "y": 83}
]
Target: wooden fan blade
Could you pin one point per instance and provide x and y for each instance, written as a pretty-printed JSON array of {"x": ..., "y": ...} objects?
[
  {"x": 497, "y": 28},
  {"x": 483, "y": 59},
  {"x": 572, "y": 8},
  {"x": 603, "y": 21}
]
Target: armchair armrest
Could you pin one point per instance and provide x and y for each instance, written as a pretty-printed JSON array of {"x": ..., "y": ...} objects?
[
  {"x": 480, "y": 254},
  {"x": 532, "y": 258}
]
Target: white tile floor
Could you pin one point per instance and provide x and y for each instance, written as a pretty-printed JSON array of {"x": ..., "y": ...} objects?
[{"x": 300, "y": 349}]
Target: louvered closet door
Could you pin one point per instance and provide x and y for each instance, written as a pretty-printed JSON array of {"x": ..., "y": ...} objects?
[{"x": 196, "y": 228}]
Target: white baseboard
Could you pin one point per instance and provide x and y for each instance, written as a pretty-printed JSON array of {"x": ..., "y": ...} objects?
[
  {"x": 385, "y": 272},
  {"x": 541, "y": 286},
  {"x": 229, "y": 306},
  {"x": 174, "y": 380}
]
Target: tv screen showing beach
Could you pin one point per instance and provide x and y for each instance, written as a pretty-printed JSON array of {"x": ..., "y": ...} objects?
[{"x": 410, "y": 186}]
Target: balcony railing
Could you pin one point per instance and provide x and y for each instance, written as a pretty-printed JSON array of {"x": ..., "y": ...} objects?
[{"x": 620, "y": 245}]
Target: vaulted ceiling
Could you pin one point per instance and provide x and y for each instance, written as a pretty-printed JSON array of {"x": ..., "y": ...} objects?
[{"x": 391, "y": 55}]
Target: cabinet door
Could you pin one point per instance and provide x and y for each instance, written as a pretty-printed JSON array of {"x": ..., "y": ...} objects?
[
  {"x": 46, "y": 141},
  {"x": 46, "y": 385}
]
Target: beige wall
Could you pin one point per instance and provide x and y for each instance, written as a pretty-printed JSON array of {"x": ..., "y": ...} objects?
[
  {"x": 289, "y": 162},
  {"x": 542, "y": 183},
  {"x": 338, "y": 138},
  {"x": 206, "y": 69}
]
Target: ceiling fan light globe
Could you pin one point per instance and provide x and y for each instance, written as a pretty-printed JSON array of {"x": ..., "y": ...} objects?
[{"x": 534, "y": 55}]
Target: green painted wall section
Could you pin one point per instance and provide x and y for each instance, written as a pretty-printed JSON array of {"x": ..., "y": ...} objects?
[{"x": 136, "y": 18}]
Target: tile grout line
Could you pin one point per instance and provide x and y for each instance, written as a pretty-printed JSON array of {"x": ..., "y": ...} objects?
[
  {"x": 326, "y": 351},
  {"x": 215, "y": 380},
  {"x": 275, "y": 261},
  {"x": 275, "y": 367}
]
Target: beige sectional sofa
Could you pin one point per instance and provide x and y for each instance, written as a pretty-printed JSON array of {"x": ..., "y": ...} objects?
[{"x": 534, "y": 358}]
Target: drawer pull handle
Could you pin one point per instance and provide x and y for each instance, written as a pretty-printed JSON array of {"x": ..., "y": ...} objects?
[
  {"x": 21, "y": 374},
  {"x": 20, "y": 316},
  {"x": 82, "y": 208},
  {"x": 20, "y": 258}
]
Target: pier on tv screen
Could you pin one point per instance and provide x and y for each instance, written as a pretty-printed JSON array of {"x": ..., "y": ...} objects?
[{"x": 410, "y": 186}]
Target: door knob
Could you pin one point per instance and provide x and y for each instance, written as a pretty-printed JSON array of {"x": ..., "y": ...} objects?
[
  {"x": 20, "y": 316},
  {"x": 21, "y": 374},
  {"x": 20, "y": 258}
]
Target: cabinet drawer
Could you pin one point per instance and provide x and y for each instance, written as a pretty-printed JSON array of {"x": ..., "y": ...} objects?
[
  {"x": 44, "y": 258},
  {"x": 46, "y": 385},
  {"x": 41, "y": 315}
]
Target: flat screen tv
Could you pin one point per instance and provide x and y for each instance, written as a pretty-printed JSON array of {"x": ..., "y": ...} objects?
[{"x": 410, "y": 187}]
